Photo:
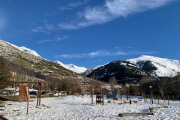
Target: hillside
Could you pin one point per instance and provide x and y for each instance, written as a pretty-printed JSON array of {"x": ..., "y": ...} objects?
[
  {"x": 88, "y": 71},
  {"x": 124, "y": 72},
  {"x": 31, "y": 60}
]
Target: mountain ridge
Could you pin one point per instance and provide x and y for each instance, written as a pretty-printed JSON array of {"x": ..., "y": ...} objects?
[
  {"x": 72, "y": 67},
  {"x": 156, "y": 66},
  {"x": 31, "y": 60}
]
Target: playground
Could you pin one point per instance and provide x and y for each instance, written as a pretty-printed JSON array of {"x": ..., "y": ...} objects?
[{"x": 80, "y": 108}]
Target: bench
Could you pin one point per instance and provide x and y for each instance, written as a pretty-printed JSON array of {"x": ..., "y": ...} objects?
[{"x": 152, "y": 108}]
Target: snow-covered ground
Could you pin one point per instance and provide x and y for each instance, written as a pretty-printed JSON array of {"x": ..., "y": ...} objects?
[{"x": 78, "y": 108}]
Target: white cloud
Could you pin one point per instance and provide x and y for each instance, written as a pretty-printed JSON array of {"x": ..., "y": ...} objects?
[
  {"x": 100, "y": 53},
  {"x": 48, "y": 28},
  {"x": 65, "y": 8},
  {"x": 72, "y": 5},
  {"x": 56, "y": 38},
  {"x": 43, "y": 41},
  {"x": 53, "y": 13},
  {"x": 38, "y": 29},
  {"x": 112, "y": 9}
]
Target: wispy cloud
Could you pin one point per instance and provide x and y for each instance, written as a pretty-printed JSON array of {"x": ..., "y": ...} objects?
[
  {"x": 53, "y": 13},
  {"x": 38, "y": 29},
  {"x": 101, "y": 53},
  {"x": 56, "y": 38},
  {"x": 43, "y": 41},
  {"x": 2, "y": 21},
  {"x": 72, "y": 5},
  {"x": 110, "y": 10},
  {"x": 47, "y": 28},
  {"x": 59, "y": 37}
]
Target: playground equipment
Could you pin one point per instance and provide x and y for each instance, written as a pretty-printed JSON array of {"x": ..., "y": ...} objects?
[
  {"x": 2, "y": 106},
  {"x": 99, "y": 98},
  {"x": 152, "y": 108}
]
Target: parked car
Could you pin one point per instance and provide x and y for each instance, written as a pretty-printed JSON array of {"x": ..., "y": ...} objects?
[{"x": 33, "y": 93}]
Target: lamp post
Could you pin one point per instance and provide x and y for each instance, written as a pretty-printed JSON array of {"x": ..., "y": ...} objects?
[
  {"x": 151, "y": 95},
  {"x": 127, "y": 85}
]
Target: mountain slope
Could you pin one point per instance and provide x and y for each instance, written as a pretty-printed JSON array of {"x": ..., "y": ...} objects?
[
  {"x": 157, "y": 66},
  {"x": 124, "y": 72},
  {"x": 72, "y": 67},
  {"x": 90, "y": 70},
  {"x": 31, "y": 60}
]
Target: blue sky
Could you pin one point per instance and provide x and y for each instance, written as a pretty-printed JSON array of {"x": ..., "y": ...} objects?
[{"x": 93, "y": 32}]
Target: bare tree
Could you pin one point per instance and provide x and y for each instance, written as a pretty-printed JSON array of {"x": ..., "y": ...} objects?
[
  {"x": 145, "y": 82},
  {"x": 112, "y": 83}
]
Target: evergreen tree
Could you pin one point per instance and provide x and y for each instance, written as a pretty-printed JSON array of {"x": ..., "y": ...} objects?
[
  {"x": 4, "y": 70},
  {"x": 62, "y": 86}
]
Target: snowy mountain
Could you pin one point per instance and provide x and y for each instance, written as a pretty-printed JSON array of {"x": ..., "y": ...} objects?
[
  {"x": 90, "y": 70},
  {"x": 29, "y": 60},
  {"x": 72, "y": 67},
  {"x": 157, "y": 66},
  {"x": 123, "y": 71},
  {"x": 27, "y": 50}
]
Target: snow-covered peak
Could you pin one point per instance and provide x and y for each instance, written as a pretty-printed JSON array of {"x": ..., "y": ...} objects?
[
  {"x": 60, "y": 64},
  {"x": 72, "y": 67},
  {"x": 24, "y": 49},
  {"x": 165, "y": 67},
  {"x": 27, "y": 50}
]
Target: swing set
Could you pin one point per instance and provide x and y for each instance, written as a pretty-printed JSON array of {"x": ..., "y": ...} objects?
[{"x": 24, "y": 90}]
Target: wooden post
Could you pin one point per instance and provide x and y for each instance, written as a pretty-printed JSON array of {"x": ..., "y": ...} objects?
[
  {"x": 158, "y": 99},
  {"x": 103, "y": 96},
  {"x": 15, "y": 89},
  {"x": 91, "y": 95},
  {"x": 168, "y": 99},
  {"x": 155, "y": 98},
  {"x": 164, "y": 98},
  {"x": 40, "y": 86},
  {"x": 76, "y": 88},
  {"x": 38, "y": 96},
  {"x": 173, "y": 98},
  {"x": 144, "y": 98}
]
